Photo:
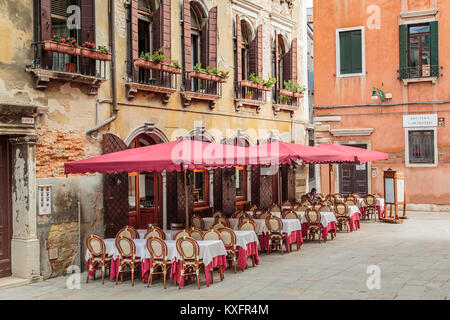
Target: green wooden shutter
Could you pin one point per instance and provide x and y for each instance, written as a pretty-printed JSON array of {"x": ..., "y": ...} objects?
[
  {"x": 403, "y": 51},
  {"x": 345, "y": 52},
  {"x": 356, "y": 51},
  {"x": 434, "y": 35}
]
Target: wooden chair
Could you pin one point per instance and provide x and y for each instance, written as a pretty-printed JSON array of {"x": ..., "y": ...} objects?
[
  {"x": 253, "y": 208},
  {"x": 307, "y": 202},
  {"x": 196, "y": 233},
  {"x": 342, "y": 216},
  {"x": 224, "y": 220},
  {"x": 127, "y": 257},
  {"x": 313, "y": 219},
  {"x": 287, "y": 203},
  {"x": 325, "y": 208},
  {"x": 219, "y": 224},
  {"x": 276, "y": 234},
  {"x": 356, "y": 195},
  {"x": 264, "y": 215},
  {"x": 247, "y": 225},
  {"x": 237, "y": 214},
  {"x": 97, "y": 250},
  {"x": 257, "y": 213},
  {"x": 304, "y": 197},
  {"x": 190, "y": 263},
  {"x": 328, "y": 203},
  {"x": 377, "y": 195},
  {"x": 129, "y": 232},
  {"x": 275, "y": 208},
  {"x": 229, "y": 240},
  {"x": 155, "y": 232},
  {"x": 197, "y": 222},
  {"x": 302, "y": 208},
  {"x": 290, "y": 214},
  {"x": 371, "y": 206},
  {"x": 182, "y": 233},
  {"x": 350, "y": 202},
  {"x": 217, "y": 214},
  {"x": 158, "y": 253},
  {"x": 212, "y": 234}
]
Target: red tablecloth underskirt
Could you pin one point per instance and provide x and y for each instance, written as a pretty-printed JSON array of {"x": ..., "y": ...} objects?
[
  {"x": 264, "y": 240},
  {"x": 355, "y": 217},
  {"x": 330, "y": 228},
  {"x": 243, "y": 255},
  {"x": 379, "y": 209}
]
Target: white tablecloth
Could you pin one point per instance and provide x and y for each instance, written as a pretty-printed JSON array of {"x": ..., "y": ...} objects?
[
  {"x": 326, "y": 217},
  {"x": 245, "y": 237},
  {"x": 170, "y": 234},
  {"x": 362, "y": 204},
  {"x": 276, "y": 214},
  {"x": 352, "y": 210},
  {"x": 141, "y": 233},
  {"x": 209, "y": 249}
]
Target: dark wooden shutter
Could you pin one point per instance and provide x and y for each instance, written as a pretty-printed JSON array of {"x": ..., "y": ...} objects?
[
  {"x": 238, "y": 49},
  {"x": 293, "y": 58},
  {"x": 115, "y": 195},
  {"x": 277, "y": 73},
  {"x": 356, "y": 56},
  {"x": 255, "y": 53},
  {"x": 187, "y": 35},
  {"x": 134, "y": 37},
  {"x": 212, "y": 38},
  {"x": 46, "y": 32},
  {"x": 345, "y": 50},
  {"x": 157, "y": 28},
  {"x": 434, "y": 48},
  {"x": 403, "y": 51},
  {"x": 87, "y": 34},
  {"x": 166, "y": 34},
  {"x": 287, "y": 68}
]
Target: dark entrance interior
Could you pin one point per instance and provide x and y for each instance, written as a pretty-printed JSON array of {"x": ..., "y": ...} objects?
[
  {"x": 353, "y": 178},
  {"x": 5, "y": 208}
]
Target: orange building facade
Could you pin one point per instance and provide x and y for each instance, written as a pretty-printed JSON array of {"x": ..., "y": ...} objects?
[{"x": 380, "y": 82}]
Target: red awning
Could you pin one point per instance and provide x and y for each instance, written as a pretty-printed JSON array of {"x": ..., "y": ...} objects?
[
  {"x": 165, "y": 156},
  {"x": 289, "y": 153},
  {"x": 360, "y": 155}
]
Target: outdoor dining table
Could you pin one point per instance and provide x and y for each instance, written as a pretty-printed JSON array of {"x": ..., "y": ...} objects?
[
  {"x": 291, "y": 227},
  {"x": 380, "y": 207},
  {"x": 276, "y": 214},
  {"x": 327, "y": 219},
  {"x": 212, "y": 253},
  {"x": 353, "y": 212}
]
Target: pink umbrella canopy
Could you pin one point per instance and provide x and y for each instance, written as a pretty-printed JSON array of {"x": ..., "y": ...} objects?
[
  {"x": 360, "y": 155},
  {"x": 289, "y": 153},
  {"x": 165, "y": 156}
]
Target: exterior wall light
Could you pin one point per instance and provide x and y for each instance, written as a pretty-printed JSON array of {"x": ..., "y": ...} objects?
[{"x": 377, "y": 92}]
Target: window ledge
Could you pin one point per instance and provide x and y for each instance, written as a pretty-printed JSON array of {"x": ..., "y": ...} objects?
[
  {"x": 133, "y": 88},
  {"x": 414, "y": 80},
  {"x": 239, "y": 103},
  {"x": 350, "y": 75},
  {"x": 189, "y": 95},
  {"x": 282, "y": 107},
  {"x": 421, "y": 165}
]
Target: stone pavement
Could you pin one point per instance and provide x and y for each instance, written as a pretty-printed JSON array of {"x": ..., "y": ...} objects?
[{"x": 413, "y": 258}]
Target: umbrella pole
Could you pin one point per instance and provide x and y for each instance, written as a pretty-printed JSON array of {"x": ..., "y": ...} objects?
[
  {"x": 330, "y": 168},
  {"x": 186, "y": 199}
]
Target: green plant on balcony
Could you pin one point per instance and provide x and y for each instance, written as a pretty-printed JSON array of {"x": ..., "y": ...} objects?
[
  {"x": 270, "y": 83},
  {"x": 294, "y": 87},
  {"x": 253, "y": 78},
  {"x": 283, "y": 98}
]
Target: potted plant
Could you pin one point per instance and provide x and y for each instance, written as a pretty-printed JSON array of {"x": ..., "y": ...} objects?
[
  {"x": 71, "y": 67},
  {"x": 152, "y": 81},
  {"x": 158, "y": 61},
  {"x": 199, "y": 72},
  {"x": 86, "y": 49},
  {"x": 284, "y": 99},
  {"x": 63, "y": 45},
  {"x": 249, "y": 94},
  {"x": 101, "y": 54},
  {"x": 258, "y": 83},
  {"x": 145, "y": 61},
  {"x": 292, "y": 89}
]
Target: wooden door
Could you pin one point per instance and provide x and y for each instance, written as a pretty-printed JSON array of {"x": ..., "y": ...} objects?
[
  {"x": 5, "y": 209},
  {"x": 353, "y": 178}
]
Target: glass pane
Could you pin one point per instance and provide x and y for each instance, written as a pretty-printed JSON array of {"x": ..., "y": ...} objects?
[
  {"x": 146, "y": 190},
  {"x": 239, "y": 183},
  {"x": 421, "y": 144},
  {"x": 199, "y": 186},
  {"x": 132, "y": 193},
  {"x": 419, "y": 29},
  {"x": 426, "y": 50}
]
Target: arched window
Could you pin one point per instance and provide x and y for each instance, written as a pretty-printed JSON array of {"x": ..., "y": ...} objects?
[
  {"x": 279, "y": 60},
  {"x": 146, "y": 11},
  {"x": 241, "y": 173},
  {"x": 198, "y": 45},
  {"x": 247, "y": 36}
]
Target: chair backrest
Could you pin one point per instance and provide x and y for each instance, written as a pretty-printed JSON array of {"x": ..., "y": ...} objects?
[
  {"x": 212, "y": 234},
  {"x": 356, "y": 195},
  {"x": 247, "y": 225},
  {"x": 302, "y": 207},
  {"x": 253, "y": 208},
  {"x": 258, "y": 212},
  {"x": 317, "y": 205},
  {"x": 304, "y": 198},
  {"x": 219, "y": 224},
  {"x": 307, "y": 202},
  {"x": 196, "y": 233},
  {"x": 188, "y": 249},
  {"x": 155, "y": 232},
  {"x": 377, "y": 195},
  {"x": 129, "y": 232},
  {"x": 325, "y": 208},
  {"x": 312, "y": 216},
  {"x": 125, "y": 246},
  {"x": 274, "y": 224},
  {"x": 290, "y": 214},
  {"x": 96, "y": 246},
  {"x": 197, "y": 222},
  {"x": 157, "y": 248},
  {"x": 217, "y": 214},
  {"x": 245, "y": 218},
  {"x": 237, "y": 213},
  {"x": 263, "y": 215},
  {"x": 182, "y": 233},
  {"x": 228, "y": 237},
  {"x": 224, "y": 220},
  {"x": 287, "y": 203},
  {"x": 341, "y": 209},
  {"x": 370, "y": 200},
  {"x": 350, "y": 202},
  {"x": 275, "y": 208}
]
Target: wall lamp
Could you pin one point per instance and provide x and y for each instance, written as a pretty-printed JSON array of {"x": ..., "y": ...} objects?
[{"x": 377, "y": 92}]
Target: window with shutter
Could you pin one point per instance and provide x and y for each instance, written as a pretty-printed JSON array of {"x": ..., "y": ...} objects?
[
  {"x": 350, "y": 52},
  {"x": 421, "y": 147}
]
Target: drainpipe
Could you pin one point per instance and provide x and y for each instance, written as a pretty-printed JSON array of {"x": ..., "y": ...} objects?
[
  {"x": 79, "y": 232},
  {"x": 115, "y": 110}
]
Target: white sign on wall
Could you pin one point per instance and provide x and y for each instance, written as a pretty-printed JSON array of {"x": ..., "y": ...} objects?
[{"x": 420, "y": 120}]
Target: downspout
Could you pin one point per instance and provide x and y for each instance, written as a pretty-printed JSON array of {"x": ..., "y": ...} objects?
[
  {"x": 79, "y": 232},
  {"x": 115, "y": 110}
]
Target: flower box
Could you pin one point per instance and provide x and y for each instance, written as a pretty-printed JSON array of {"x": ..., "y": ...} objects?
[
  {"x": 206, "y": 76},
  {"x": 291, "y": 93},
  {"x": 250, "y": 84},
  {"x": 95, "y": 55},
  {"x": 145, "y": 64},
  {"x": 170, "y": 69},
  {"x": 61, "y": 48}
]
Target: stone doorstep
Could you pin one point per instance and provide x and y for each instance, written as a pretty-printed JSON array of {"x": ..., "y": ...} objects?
[{"x": 13, "y": 282}]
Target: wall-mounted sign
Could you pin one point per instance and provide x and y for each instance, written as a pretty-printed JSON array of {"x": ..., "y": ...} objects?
[
  {"x": 420, "y": 120},
  {"x": 361, "y": 167},
  {"x": 27, "y": 120}
]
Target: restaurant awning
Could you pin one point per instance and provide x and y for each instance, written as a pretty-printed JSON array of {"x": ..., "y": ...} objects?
[{"x": 360, "y": 155}]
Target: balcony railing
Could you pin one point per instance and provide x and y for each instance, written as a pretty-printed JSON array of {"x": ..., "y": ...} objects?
[
  {"x": 67, "y": 66},
  {"x": 424, "y": 71},
  {"x": 250, "y": 94},
  {"x": 287, "y": 98},
  {"x": 201, "y": 86},
  {"x": 151, "y": 77}
]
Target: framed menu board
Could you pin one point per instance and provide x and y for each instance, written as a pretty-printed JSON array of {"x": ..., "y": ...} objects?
[
  {"x": 389, "y": 190},
  {"x": 394, "y": 193}
]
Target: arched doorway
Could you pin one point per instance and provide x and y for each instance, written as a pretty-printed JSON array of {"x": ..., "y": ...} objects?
[{"x": 144, "y": 190}]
